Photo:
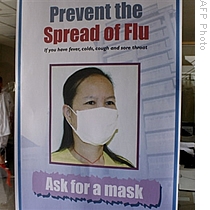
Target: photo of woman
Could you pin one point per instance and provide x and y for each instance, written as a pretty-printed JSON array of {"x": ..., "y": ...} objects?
[{"x": 90, "y": 121}]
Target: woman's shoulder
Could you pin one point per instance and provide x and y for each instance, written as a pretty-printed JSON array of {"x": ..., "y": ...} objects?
[
  {"x": 110, "y": 162},
  {"x": 63, "y": 156}
]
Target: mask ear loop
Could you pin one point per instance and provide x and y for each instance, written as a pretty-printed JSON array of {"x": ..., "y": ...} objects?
[
  {"x": 71, "y": 110},
  {"x": 69, "y": 121}
]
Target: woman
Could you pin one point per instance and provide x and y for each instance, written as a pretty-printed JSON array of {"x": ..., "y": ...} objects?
[{"x": 90, "y": 120}]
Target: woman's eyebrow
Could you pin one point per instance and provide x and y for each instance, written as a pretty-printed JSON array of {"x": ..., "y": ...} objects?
[
  {"x": 111, "y": 97},
  {"x": 89, "y": 97},
  {"x": 94, "y": 97}
]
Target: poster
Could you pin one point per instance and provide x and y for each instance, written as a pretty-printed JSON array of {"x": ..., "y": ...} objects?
[{"x": 98, "y": 104}]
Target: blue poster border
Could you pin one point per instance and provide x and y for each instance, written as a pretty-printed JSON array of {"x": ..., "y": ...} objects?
[
  {"x": 18, "y": 101},
  {"x": 18, "y": 165},
  {"x": 178, "y": 100}
]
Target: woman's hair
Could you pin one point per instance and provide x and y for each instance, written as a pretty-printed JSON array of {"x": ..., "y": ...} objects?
[{"x": 69, "y": 92}]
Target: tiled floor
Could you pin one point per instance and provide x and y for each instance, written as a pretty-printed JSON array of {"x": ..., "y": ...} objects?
[
  {"x": 186, "y": 200},
  {"x": 7, "y": 198},
  {"x": 7, "y": 193}
]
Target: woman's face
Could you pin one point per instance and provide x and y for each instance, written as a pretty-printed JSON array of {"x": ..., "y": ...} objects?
[{"x": 95, "y": 91}]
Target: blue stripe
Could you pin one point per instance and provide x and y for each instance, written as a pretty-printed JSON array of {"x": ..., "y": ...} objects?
[
  {"x": 19, "y": 103},
  {"x": 177, "y": 117}
]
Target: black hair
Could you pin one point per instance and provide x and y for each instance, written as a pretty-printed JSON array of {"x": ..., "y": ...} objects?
[
  {"x": 69, "y": 92},
  {"x": 2, "y": 151}
]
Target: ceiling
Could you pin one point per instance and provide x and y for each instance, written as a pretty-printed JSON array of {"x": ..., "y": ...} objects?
[{"x": 8, "y": 22}]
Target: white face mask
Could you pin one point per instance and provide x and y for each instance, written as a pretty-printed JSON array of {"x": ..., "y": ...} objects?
[{"x": 96, "y": 126}]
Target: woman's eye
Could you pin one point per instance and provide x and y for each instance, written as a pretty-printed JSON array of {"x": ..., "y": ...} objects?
[
  {"x": 110, "y": 103},
  {"x": 90, "y": 103}
]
